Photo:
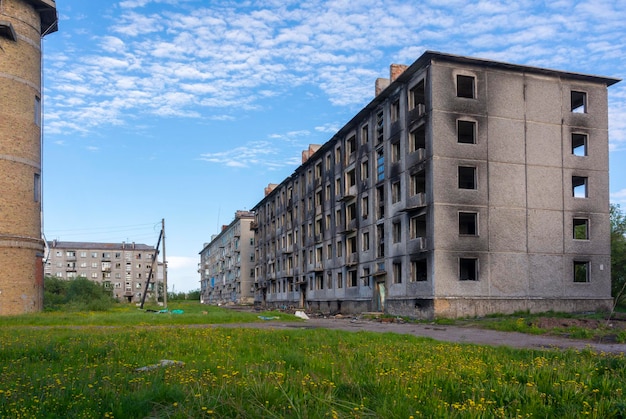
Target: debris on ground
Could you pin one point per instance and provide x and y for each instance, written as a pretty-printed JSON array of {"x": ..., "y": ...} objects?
[{"x": 162, "y": 364}]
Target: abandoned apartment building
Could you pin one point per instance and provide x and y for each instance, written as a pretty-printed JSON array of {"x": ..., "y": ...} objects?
[
  {"x": 227, "y": 264},
  {"x": 465, "y": 187},
  {"x": 121, "y": 268}
]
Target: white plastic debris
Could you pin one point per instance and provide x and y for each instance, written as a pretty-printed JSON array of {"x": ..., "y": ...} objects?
[{"x": 302, "y": 315}]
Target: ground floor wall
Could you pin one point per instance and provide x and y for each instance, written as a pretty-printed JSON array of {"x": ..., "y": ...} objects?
[
  {"x": 21, "y": 277},
  {"x": 431, "y": 308}
]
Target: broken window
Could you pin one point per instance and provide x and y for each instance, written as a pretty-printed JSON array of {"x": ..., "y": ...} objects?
[
  {"x": 339, "y": 280},
  {"x": 579, "y": 187},
  {"x": 418, "y": 139},
  {"x": 397, "y": 232},
  {"x": 395, "y": 152},
  {"x": 417, "y": 227},
  {"x": 350, "y": 146},
  {"x": 468, "y": 223},
  {"x": 380, "y": 235},
  {"x": 365, "y": 241},
  {"x": 37, "y": 111},
  {"x": 37, "y": 187},
  {"x": 380, "y": 192},
  {"x": 419, "y": 270},
  {"x": 466, "y": 132},
  {"x": 395, "y": 111},
  {"x": 397, "y": 272},
  {"x": 468, "y": 269},
  {"x": 395, "y": 192},
  {"x": 467, "y": 177},
  {"x": 351, "y": 211},
  {"x": 365, "y": 169},
  {"x": 380, "y": 127},
  {"x": 581, "y": 271},
  {"x": 350, "y": 178},
  {"x": 579, "y": 144},
  {"x": 352, "y": 278},
  {"x": 465, "y": 86},
  {"x": 581, "y": 229},
  {"x": 418, "y": 182},
  {"x": 364, "y": 134},
  {"x": 365, "y": 203},
  {"x": 416, "y": 95},
  {"x": 579, "y": 102},
  {"x": 351, "y": 245}
]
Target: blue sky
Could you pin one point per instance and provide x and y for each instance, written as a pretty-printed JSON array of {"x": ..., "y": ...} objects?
[{"x": 184, "y": 110}]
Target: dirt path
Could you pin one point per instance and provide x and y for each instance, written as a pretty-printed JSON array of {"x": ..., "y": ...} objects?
[{"x": 445, "y": 333}]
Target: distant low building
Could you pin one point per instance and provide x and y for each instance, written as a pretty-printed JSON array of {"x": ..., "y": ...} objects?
[
  {"x": 227, "y": 264},
  {"x": 122, "y": 268}
]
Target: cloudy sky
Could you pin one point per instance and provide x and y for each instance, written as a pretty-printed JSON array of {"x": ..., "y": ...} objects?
[{"x": 184, "y": 110}]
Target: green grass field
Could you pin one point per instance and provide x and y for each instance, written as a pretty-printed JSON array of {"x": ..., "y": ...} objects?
[{"x": 85, "y": 365}]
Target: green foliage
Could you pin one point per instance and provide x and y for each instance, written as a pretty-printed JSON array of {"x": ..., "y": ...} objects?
[
  {"x": 75, "y": 295},
  {"x": 618, "y": 254},
  {"x": 180, "y": 296},
  {"x": 301, "y": 373}
]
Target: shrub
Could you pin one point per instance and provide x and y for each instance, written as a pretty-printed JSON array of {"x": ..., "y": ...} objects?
[{"x": 75, "y": 294}]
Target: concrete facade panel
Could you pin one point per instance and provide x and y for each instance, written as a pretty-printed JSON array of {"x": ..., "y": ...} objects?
[
  {"x": 543, "y": 100},
  {"x": 543, "y": 145},
  {"x": 507, "y": 229},
  {"x": 545, "y": 187},
  {"x": 545, "y": 231},
  {"x": 506, "y": 140},
  {"x": 507, "y": 185},
  {"x": 508, "y": 275},
  {"x": 506, "y": 95}
]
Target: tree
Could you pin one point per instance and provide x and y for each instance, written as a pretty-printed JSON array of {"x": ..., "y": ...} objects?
[{"x": 618, "y": 254}]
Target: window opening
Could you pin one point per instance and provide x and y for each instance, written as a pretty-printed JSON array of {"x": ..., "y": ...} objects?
[
  {"x": 419, "y": 270},
  {"x": 579, "y": 102},
  {"x": 468, "y": 223},
  {"x": 418, "y": 138},
  {"x": 465, "y": 86},
  {"x": 468, "y": 269},
  {"x": 581, "y": 271},
  {"x": 579, "y": 187},
  {"x": 579, "y": 145},
  {"x": 380, "y": 165},
  {"x": 380, "y": 127},
  {"x": 467, "y": 177},
  {"x": 466, "y": 132},
  {"x": 397, "y": 272},
  {"x": 581, "y": 229},
  {"x": 416, "y": 95}
]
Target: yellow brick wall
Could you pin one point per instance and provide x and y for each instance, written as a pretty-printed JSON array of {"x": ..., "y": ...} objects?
[{"x": 21, "y": 246}]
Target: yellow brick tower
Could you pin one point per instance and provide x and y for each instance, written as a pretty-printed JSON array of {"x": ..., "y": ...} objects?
[{"x": 23, "y": 23}]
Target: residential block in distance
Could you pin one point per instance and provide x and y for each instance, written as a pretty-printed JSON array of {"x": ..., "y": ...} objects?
[
  {"x": 227, "y": 264},
  {"x": 122, "y": 268}
]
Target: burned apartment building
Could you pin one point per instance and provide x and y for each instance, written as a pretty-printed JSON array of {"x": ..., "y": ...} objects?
[
  {"x": 465, "y": 187},
  {"x": 121, "y": 268},
  {"x": 227, "y": 264}
]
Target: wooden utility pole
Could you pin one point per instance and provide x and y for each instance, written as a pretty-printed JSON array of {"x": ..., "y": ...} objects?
[{"x": 164, "y": 265}]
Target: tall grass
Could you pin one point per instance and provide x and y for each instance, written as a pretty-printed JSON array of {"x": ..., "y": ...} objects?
[{"x": 90, "y": 372}]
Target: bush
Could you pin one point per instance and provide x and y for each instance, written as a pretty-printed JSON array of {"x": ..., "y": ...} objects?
[{"x": 75, "y": 294}]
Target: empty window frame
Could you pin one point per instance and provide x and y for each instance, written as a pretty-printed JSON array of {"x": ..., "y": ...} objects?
[
  {"x": 37, "y": 187},
  {"x": 37, "y": 110},
  {"x": 468, "y": 223},
  {"x": 579, "y": 187},
  {"x": 578, "y": 102},
  {"x": 397, "y": 272},
  {"x": 581, "y": 271},
  {"x": 352, "y": 278},
  {"x": 365, "y": 241},
  {"x": 467, "y": 177},
  {"x": 350, "y": 146},
  {"x": 465, "y": 86},
  {"x": 350, "y": 178},
  {"x": 417, "y": 227},
  {"x": 419, "y": 270},
  {"x": 365, "y": 170},
  {"x": 468, "y": 269},
  {"x": 397, "y": 232},
  {"x": 579, "y": 144},
  {"x": 416, "y": 95},
  {"x": 396, "y": 192},
  {"x": 581, "y": 229},
  {"x": 466, "y": 132},
  {"x": 418, "y": 182},
  {"x": 395, "y": 111},
  {"x": 380, "y": 127},
  {"x": 417, "y": 139},
  {"x": 395, "y": 152},
  {"x": 365, "y": 134}
]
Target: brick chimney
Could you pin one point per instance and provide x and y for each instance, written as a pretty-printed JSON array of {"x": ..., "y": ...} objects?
[{"x": 395, "y": 70}]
